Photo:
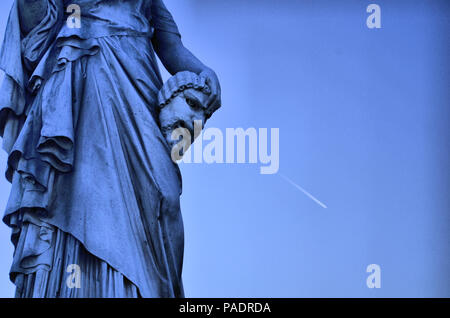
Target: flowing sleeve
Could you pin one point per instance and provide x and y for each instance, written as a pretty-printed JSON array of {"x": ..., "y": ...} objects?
[
  {"x": 162, "y": 19},
  {"x": 19, "y": 55}
]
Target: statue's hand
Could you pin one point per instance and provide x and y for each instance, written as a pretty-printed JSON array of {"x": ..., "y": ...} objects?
[{"x": 214, "y": 101}]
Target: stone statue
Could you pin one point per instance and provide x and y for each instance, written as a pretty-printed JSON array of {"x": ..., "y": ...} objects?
[{"x": 94, "y": 207}]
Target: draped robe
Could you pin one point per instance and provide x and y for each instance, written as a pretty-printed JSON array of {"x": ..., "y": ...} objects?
[{"x": 92, "y": 180}]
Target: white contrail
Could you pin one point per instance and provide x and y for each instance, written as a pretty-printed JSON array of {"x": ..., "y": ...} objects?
[{"x": 304, "y": 191}]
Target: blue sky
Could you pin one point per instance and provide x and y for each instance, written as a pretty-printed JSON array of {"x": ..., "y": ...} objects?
[{"x": 363, "y": 116}]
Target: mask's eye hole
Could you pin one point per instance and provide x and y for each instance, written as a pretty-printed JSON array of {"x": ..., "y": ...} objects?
[
  {"x": 190, "y": 102},
  {"x": 194, "y": 104}
]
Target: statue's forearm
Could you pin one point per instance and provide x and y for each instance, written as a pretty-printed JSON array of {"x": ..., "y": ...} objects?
[
  {"x": 174, "y": 56},
  {"x": 181, "y": 59},
  {"x": 31, "y": 13}
]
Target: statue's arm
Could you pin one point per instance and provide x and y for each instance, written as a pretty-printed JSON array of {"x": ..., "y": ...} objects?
[
  {"x": 31, "y": 13},
  {"x": 176, "y": 57}
]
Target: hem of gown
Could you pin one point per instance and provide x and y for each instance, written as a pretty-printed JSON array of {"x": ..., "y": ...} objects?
[{"x": 50, "y": 263}]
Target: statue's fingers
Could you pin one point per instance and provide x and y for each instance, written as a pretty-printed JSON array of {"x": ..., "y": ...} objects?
[
  {"x": 213, "y": 96},
  {"x": 210, "y": 110},
  {"x": 218, "y": 101},
  {"x": 211, "y": 100},
  {"x": 215, "y": 106}
]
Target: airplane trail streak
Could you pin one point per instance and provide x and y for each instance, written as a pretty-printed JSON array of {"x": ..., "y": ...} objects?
[{"x": 309, "y": 195}]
